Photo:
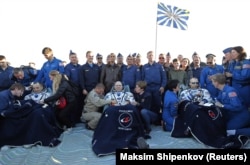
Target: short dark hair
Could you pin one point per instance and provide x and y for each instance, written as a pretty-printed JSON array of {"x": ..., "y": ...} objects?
[
  {"x": 172, "y": 84},
  {"x": 2, "y": 57},
  {"x": 100, "y": 85},
  {"x": 17, "y": 86},
  {"x": 17, "y": 70}
]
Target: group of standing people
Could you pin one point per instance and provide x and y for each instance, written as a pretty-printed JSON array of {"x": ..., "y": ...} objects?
[{"x": 155, "y": 86}]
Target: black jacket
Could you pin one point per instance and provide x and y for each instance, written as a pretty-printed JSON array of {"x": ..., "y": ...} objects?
[{"x": 64, "y": 90}]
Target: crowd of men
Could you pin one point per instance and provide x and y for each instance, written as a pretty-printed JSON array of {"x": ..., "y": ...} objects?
[{"x": 129, "y": 70}]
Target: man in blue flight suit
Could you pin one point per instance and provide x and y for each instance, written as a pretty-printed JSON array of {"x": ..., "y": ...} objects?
[
  {"x": 5, "y": 74},
  {"x": 52, "y": 64},
  {"x": 206, "y": 73},
  {"x": 130, "y": 74},
  {"x": 155, "y": 76},
  {"x": 71, "y": 70},
  {"x": 99, "y": 59},
  {"x": 236, "y": 115},
  {"x": 89, "y": 74},
  {"x": 24, "y": 76}
]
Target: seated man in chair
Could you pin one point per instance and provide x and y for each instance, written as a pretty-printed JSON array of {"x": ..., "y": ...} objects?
[
  {"x": 120, "y": 125},
  {"x": 196, "y": 94},
  {"x": 121, "y": 95}
]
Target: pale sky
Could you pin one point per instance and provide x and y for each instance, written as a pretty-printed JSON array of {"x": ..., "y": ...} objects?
[{"x": 118, "y": 26}]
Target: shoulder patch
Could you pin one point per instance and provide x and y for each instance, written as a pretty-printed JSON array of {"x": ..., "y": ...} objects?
[
  {"x": 246, "y": 66},
  {"x": 232, "y": 94}
]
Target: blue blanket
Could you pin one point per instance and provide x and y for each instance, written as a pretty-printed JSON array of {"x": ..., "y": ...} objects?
[
  {"x": 28, "y": 124},
  {"x": 119, "y": 127},
  {"x": 205, "y": 124}
]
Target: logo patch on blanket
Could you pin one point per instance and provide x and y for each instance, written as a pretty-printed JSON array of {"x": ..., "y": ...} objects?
[
  {"x": 125, "y": 119},
  {"x": 213, "y": 115}
]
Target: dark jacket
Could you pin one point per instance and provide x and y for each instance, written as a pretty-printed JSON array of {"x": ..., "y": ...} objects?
[
  {"x": 64, "y": 90},
  {"x": 109, "y": 75},
  {"x": 144, "y": 101}
]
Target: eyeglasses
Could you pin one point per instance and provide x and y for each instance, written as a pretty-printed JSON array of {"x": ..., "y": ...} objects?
[
  {"x": 161, "y": 58},
  {"x": 194, "y": 82}
]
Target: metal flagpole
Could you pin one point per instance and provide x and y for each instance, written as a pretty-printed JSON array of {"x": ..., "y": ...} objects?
[{"x": 156, "y": 35}]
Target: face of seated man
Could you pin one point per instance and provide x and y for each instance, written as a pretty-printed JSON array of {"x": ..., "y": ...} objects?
[
  {"x": 118, "y": 86},
  {"x": 37, "y": 88},
  {"x": 194, "y": 83}
]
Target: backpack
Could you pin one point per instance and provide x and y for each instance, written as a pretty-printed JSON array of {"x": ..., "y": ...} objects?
[{"x": 75, "y": 88}]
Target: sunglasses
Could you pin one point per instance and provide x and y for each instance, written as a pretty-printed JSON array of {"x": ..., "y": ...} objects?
[
  {"x": 161, "y": 58},
  {"x": 209, "y": 62},
  {"x": 194, "y": 82},
  {"x": 99, "y": 58}
]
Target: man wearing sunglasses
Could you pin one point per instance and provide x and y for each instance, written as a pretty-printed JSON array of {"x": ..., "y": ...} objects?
[
  {"x": 206, "y": 73},
  {"x": 195, "y": 94}
]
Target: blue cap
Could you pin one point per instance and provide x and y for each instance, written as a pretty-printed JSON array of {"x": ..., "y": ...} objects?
[
  {"x": 119, "y": 55},
  {"x": 227, "y": 50},
  {"x": 134, "y": 55},
  {"x": 210, "y": 55},
  {"x": 98, "y": 55}
]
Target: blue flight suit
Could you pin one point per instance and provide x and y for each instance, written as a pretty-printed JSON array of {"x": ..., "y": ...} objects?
[
  {"x": 155, "y": 76},
  {"x": 26, "y": 81},
  {"x": 241, "y": 79},
  {"x": 89, "y": 76},
  {"x": 205, "y": 80},
  {"x": 43, "y": 75},
  {"x": 197, "y": 72},
  {"x": 236, "y": 114},
  {"x": 7, "y": 100},
  {"x": 29, "y": 77},
  {"x": 72, "y": 72},
  {"x": 170, "y": 109},
  {"x": 130, "y": 76},
  {"x": 5, "y": 78}
]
